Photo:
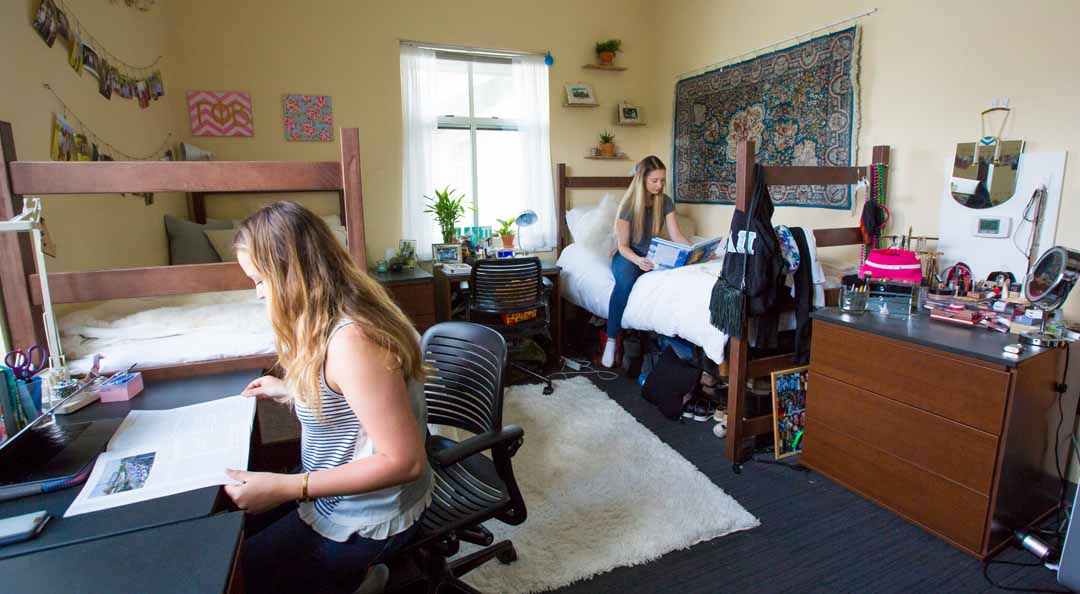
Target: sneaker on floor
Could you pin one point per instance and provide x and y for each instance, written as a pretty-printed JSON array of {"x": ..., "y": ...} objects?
[
  {"x": 376, "y": 580},
  {"x": 701, "y": 410},
  {"x": 720, "y": 415},
  {"x": 688, "y": 409},
  {"x": 720, "y": 429}
]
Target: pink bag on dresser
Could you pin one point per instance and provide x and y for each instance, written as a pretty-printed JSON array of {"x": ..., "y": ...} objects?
[{"x": 898, "y": 265}]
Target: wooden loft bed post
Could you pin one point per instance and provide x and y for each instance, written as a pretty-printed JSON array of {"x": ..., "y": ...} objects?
[
  {"x": 743, "y": 430},
  {"x": 24, "y": 324}
]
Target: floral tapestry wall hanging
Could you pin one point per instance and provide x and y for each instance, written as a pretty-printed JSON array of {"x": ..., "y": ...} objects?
[
  {"x": 308, "y": 118},
  {"x": 800, "y": 106}
]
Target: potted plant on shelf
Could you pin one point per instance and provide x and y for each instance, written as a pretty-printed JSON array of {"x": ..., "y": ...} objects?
[
  {"x": 607, "y": 144},
  {"x": 605, "y": 50},
  {"x": 448, "y": 210},
  {"x": 505, "y": 233}
]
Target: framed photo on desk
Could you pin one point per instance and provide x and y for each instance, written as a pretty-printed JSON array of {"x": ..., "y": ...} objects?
[{"x": 445, "y": 253}]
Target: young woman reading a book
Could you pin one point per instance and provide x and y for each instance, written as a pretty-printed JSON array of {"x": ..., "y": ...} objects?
[
  {"x": 644, "y": 212},
  {"x": 354, "y": 373}
]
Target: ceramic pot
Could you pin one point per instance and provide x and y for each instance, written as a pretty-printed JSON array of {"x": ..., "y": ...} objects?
[
  {"x": 607, "y": 149},
  {"x": 606, "y": 58},
  {"x": 508, "y": 240}
]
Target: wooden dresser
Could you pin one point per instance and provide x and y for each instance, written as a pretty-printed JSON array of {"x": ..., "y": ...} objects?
[
  {"x": 414, "y": 292},
  {"x": 930, "y": 421}
]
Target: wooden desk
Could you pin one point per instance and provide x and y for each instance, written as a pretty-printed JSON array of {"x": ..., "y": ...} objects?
[
  {"x": 932, "y": 422},
  {"x": 412, "y": 290},
  {"x": 446, "y": 286},
  {"x": 193, "y": 556},
  {"x": 61, "y": 531}
]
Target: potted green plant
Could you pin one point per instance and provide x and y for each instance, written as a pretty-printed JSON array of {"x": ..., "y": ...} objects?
[
  {"x": 605, "y": 50},
  {"x": 607, "y": 144},
  {"x": 448, "y": 210},
  {"x": 505, "y": 233}
]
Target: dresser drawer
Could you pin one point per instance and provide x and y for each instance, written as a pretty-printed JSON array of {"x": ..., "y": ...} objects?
[
  {"x": 947, "y": 448},
  {"x": 942, "y": 506},
  {"x": 414, "y": 299},
  {"x": 930, "y": 380}
]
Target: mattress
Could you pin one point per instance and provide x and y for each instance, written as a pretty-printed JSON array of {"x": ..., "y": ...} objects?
[{"x": 173, "y": 330}]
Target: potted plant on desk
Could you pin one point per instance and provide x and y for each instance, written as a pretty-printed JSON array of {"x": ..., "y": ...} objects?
[
  {"x": 505, "y": 233},
  {"x": 448, "y": 210}
]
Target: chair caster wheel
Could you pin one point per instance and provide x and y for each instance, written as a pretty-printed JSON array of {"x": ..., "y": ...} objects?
[
  {"x": 507, "y": 557},
  {"x": 736, "y": 468},
  {"x": 548, "y": 390}
]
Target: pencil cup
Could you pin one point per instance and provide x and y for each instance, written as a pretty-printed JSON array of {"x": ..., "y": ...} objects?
[{"x": 852, "y": 301}]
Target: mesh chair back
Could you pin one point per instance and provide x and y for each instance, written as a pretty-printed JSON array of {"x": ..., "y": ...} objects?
[
  {"x": 505, "y": 286},
  {"x": 464, "y": 386}
]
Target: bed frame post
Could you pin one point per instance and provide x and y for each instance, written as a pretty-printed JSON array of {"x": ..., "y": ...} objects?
[
  {"x": 563, "y": 231},
  {"x": 353, "y": 195},
  {"x": 24, "y": 324},
  {"x": 738, "y": 348}
]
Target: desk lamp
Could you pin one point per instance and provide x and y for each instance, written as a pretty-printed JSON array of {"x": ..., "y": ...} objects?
[
  {"x": 1047, "y": 286},
  {"x": 525, "y": 219}
]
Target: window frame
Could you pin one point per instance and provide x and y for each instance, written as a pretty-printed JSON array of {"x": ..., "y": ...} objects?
[{"x": 471, "y": 122}]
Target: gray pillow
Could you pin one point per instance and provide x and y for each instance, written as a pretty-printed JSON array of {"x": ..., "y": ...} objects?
[{"x": 187, "y": 242}]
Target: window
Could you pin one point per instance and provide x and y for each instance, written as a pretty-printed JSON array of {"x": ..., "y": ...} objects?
[
  {"x": 479, "y": 123},
  {"x": 477, "y": 147}
]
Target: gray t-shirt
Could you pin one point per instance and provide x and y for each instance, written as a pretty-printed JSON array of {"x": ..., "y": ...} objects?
[{"x": 641, "y": 246}]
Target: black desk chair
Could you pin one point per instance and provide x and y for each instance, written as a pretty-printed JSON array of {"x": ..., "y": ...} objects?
[
  {"x": 464, "y": 390},
  {"x": 511, "y": 297}
]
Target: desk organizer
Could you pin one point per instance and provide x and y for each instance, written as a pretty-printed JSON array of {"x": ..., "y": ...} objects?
[{"x": 124, "y": 386}]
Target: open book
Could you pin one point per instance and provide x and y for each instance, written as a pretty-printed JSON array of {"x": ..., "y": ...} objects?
[
  {"x": 668, "y": 254},
  {"x": 156, "y": 453}
]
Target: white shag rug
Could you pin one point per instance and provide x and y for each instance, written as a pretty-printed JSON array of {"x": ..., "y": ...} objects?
[{"x": 602, "y": 491}]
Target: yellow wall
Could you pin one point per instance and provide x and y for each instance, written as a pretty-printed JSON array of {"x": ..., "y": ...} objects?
[
  {"x": 349, "y": 50},
  {"x": 927, "y": 69},
  {"x": 90, "y": 232}
]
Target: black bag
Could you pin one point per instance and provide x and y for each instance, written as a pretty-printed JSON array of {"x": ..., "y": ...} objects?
[{"x": 669, "y": 381}]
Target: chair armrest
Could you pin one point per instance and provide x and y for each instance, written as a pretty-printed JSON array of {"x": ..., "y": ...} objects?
[{"x": 509, "y": 435}]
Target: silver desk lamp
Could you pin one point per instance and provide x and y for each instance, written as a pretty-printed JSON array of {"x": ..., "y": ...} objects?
[
  {"x": 525, "y": 219},
  {"x": 1047, "y": 286}
]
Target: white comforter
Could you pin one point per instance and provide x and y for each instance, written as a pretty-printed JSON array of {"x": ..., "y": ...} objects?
[
  {"x": 669, "y": 302},
  {"x": 167, "y": 331}
]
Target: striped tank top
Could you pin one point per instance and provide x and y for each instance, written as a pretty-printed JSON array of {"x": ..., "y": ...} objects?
[{"x": 336, "y": 437}]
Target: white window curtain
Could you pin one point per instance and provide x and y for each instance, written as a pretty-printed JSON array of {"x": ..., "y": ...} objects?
[
  {"x": 419, "y": 122},
  {"x": 534, "y": 125}
]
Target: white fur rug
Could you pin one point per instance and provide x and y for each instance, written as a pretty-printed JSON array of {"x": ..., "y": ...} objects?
[{"x": 602, "y": 491}]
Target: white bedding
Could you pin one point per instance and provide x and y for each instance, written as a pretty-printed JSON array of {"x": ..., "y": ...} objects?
[
  {"x": 167, "y": 331},
  {"x": 669, "y": 302}
]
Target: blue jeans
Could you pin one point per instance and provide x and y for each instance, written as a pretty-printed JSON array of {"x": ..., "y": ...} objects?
[
  {"x": 626, "y": 274},
  {"x": 283, "y": 554}
]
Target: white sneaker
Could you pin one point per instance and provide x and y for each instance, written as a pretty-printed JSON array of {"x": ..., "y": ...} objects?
[
  {"x": 720, "y": 429},
  {"x": 720, "y": 415},
  {"x": 375, "y": 582}
]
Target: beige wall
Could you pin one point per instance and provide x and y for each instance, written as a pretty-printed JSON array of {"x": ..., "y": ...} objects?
[
  {"x": 927, "y": 69},
  {"x": 349, "y": 50},
  {"x": 104, "y": 231}
]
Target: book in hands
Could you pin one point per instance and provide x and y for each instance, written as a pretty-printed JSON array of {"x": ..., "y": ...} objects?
[{"x": 665, "y": 254}]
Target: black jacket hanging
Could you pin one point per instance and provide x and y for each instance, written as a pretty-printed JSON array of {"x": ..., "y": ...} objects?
[{"x": 804, "y": 297}]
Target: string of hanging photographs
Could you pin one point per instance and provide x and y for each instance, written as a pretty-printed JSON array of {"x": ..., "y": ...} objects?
[{"x": 86, "y": 54}]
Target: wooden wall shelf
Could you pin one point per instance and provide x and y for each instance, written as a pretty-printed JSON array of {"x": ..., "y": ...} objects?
[
  {"x": 629, "y": 124},
  {"x": 604, "y": 67},
  {"x": 581, "y": 105},
  {"x": 619, "y": 157}
]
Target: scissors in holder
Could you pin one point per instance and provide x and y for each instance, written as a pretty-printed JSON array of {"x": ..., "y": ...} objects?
[{"x": 24, "y": 363}]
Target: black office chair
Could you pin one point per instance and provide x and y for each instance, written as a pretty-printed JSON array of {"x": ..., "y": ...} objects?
[
  {"x": 511, "y": 297},
  {"x": 464, "y": 390}
]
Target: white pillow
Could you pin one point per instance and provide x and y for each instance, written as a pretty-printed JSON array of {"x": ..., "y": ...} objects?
[
  {"x": 594, "y": 226},
  {"x": 222, "y": 240}
]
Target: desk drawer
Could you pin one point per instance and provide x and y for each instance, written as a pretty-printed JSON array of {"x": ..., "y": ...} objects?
[
  {"x": 950, "y": 449},
  {"x": 417, "y": 300},
  {"x": 930, "y": 380},
  {"x": 942, "y": 506}
]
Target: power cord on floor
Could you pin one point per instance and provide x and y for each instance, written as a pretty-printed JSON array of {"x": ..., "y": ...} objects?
[
  {"x": 986, "y": 575},
  {"x": 582, "y": 368}
]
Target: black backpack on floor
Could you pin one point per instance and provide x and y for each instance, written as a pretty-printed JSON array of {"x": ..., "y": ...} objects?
[{"x": 669, "y": 381}]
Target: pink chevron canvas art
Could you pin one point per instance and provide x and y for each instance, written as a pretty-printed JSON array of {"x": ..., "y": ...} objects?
[{"x": 220, "y": 113}]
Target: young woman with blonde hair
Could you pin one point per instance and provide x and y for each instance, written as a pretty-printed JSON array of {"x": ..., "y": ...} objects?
[
  {"x": 644, "y": 212},
  {"x": 354, "y": 373}
]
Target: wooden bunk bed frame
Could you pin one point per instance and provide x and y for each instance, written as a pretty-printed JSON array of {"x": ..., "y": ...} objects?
[
  {"x": 18, "y": 274},
  {"x": 744, "y": 430}
]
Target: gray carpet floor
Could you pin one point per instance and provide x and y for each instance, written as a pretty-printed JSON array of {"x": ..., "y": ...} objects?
[{"x": 815, "y": 536}]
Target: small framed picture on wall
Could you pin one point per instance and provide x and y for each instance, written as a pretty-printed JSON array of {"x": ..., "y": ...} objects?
[
  {"x": 445, "y": 253},
  {"x": 580, "y": 94},
  {"x": 629, "y": 114}
]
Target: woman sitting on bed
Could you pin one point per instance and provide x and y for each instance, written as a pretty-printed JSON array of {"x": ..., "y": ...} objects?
[
  {"x": 354, "y": 373},
  {"x": 645, "y": 211}
]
